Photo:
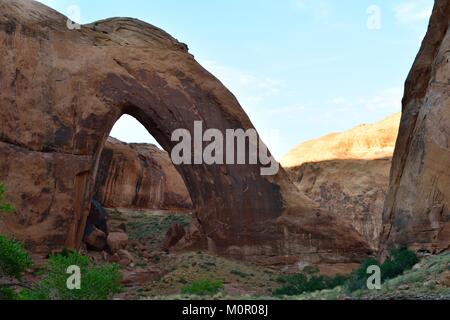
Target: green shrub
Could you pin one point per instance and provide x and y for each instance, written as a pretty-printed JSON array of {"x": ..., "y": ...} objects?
[
  {"x": 97, "y": 282},
  {"x": 4, "y": 207},
  {"x": 400, "y": 260},
  {"x": 14, "y": 260},
  {"x": 203, "y": 288},
  {"x": 359, "y": 276},
  {"x": 304, "y": 282}
]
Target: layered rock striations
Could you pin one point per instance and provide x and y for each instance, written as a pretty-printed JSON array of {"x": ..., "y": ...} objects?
[
  {"x": 139, "y": 176},
  {"x": 417, "y": 209},
  {"x": 364, "y": 142},
  {"x": 342, "y": 181}
]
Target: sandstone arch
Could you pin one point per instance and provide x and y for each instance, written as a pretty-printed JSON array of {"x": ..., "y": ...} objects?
[{"x": 61, "y": 93}]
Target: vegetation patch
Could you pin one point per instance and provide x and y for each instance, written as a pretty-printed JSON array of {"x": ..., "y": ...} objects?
[
  {"x": 304, "y": 282},
  {"x": 202, "y": 288},
  {"x": 97, "y": 282}
]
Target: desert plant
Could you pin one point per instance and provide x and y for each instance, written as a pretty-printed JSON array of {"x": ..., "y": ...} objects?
[
  {"x": 4, "y": 207},
  {"x": 203, "y": 288},
  {"x": 97, "y": 282},
  {"x": 400, "y": 260},
  {"x": 307, "y": 282},
  {"x": 14, "y": 260},
  {"x": 359, "y": 276}
]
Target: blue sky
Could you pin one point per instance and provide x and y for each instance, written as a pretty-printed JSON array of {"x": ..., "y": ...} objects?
[{"x": 300, "y": 68}]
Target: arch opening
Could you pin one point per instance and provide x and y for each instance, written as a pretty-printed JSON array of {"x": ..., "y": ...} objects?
[{"x": 135, "y": 178}]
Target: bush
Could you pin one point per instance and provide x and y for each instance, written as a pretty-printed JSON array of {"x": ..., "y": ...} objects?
[
  {"x": 14, "y": 260},
  {"x": 400, "y": 261},
  {"x": 4, "y": 207},
  {"x": 97, "y": 282},
  {"x": 203, "y": 288},
  {"x": 359, "y": 276},
  {"x": 306, "y": 282}
]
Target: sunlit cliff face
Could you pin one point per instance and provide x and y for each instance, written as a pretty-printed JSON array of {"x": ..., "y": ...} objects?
[{"x": 365, "y": 142}]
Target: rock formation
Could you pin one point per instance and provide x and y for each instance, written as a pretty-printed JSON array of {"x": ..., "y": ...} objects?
[
  {"x": 365, "y": 142},
  {"x": 62, "y": 90},
  {"x": 417, "y": 209},
  {"x": 352, "y": 188},
  {"x": 139, "y": 176}
]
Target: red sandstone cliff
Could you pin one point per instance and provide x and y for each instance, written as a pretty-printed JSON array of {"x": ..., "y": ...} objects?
[
  {"x": 139, "y": 176},
  {"x": 417, "y": 209},
  {"x": 342, "y": 180}
]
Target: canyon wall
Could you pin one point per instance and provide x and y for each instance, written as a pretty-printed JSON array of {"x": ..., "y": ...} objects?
[
  {"x": 342, "y": 180},
  {"x": 417, "y": 209},
  {"x": 139, "y": 176}
]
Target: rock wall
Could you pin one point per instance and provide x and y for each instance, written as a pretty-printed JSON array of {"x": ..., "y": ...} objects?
[
  {"x": 61, "y": 92},
  {"x": 139, "y": 176},
  {"x": 417, "y": 209},
  {"x": 341, "y": 179},
  {"x": 354, "y": 190}
]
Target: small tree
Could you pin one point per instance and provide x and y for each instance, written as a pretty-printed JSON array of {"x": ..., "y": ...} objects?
[{"x": 14, "y": 261}]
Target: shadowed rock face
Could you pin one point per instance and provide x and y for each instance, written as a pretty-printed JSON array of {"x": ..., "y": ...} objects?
[
  {"x": 139, "y": 176},
  {"x": 61, "y": 92},
  {"x": 344, "y": 178},
  {"x": 417, "y": 210},
  {"x": 354, "y": 190}
]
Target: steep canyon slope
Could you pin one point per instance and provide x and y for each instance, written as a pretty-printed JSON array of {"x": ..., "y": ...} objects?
[
  {"x": 417, "y": 209},
  {"x": 341, "y": 173}
]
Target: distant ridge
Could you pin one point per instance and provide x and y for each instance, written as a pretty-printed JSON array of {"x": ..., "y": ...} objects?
[{"x": 364, "y": 142}]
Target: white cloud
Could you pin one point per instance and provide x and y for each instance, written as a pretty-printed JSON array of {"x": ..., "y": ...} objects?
[
  {"x": 388, "y": 99},
  {"x": 248, "y": 88},
  {"x": 413, "y": 11}
]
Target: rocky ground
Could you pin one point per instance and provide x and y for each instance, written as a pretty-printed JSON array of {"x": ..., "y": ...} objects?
[
  {"x": 428, "y": 280},
  {"x": 155, "y": 274},
  {"x": 151, "y": 273}
]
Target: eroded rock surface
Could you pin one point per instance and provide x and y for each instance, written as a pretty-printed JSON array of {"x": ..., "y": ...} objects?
[
  {"x": 417, "y": 210},
  {"x": 351, "y": 187},
  {"x": 364, "y": 142},
  {"x": 354, "y": 190},
  {"x": 62, "y": 90},
  {"x": 139, "y": 176}
]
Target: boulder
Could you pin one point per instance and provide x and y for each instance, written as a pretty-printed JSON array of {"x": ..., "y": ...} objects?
[
  {"x": 95, "y": 239},
  {"x": 117, "y": 241},
  {"x": 125, "y": 258},
  {"x": 173, "y": 235}
]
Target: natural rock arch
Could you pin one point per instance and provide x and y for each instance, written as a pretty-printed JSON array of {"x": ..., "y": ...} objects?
[{"x": 62, "y": 91}]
